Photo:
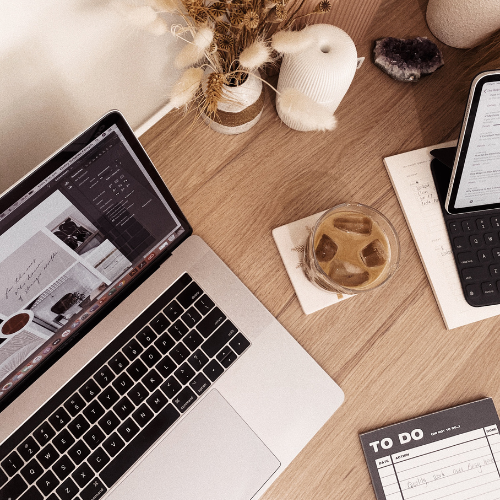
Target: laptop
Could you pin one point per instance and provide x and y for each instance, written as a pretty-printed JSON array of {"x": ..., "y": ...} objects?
[{"x": 133, "y": 362}]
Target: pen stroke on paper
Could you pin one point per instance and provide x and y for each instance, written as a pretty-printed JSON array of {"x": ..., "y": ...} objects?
[
  {"x": 30, "y": 277},
  {"x": 476, "y": 466},
  {"x": 428, "y": 198}
]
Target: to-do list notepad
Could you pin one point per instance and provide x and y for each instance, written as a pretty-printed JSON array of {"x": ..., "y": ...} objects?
[{"x": 452, "y": 454}]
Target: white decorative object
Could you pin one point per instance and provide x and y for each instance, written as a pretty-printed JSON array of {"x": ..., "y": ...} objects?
[
  {"x": 463, "y": 23},
  {"x": 241, "y": 106},
  {"x": 322, "y": 71}
]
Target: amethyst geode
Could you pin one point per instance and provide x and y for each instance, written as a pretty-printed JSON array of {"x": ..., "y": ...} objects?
[{"x": 407, "y": 60}]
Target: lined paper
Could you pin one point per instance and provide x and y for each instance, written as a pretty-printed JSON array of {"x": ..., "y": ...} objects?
[{"x": 448, "y": 455}]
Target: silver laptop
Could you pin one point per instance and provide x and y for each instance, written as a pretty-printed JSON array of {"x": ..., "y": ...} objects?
[{"x": 133, "y": 362}]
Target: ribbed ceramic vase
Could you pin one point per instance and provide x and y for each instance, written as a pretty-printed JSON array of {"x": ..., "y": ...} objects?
[
  {"x": 241, "y": 107},
  {"x": 323, "y": 71},
  {"x": 463, "y": 23}
]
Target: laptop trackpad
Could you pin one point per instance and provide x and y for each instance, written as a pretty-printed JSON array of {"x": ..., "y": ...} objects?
[{"x": 213, "y": 454}]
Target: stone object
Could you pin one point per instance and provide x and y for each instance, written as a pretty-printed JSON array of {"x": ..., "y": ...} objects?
[
  {"x": 463, "y": 23},
  {"x": 407, "y": 60}
]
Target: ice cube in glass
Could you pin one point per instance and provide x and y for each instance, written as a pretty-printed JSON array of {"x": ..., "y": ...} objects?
[
  {"x": 347, "y": 274},
  {"x": 354, "y": 224},
  {"x": 374, "y": 254},
  {"x": 326, "y": 249}
]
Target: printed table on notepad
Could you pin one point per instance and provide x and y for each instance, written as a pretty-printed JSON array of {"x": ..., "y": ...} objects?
[{"x": 460, "y": 467}]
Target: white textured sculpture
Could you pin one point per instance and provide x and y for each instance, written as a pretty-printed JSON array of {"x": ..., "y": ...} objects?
[
  {"x": 322, "y": 71},
  {"x": 463, "y": 23}
]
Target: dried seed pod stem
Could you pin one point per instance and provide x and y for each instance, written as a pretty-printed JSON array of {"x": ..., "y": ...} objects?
[{"x": 213, "y": 92}]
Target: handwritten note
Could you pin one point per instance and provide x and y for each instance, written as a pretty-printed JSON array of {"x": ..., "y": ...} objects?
[
  {"x": 425, "y": 192},
  {"x": 412, "y": 180},
  {"x": 29, "y": 271},
  {"x": 455, "y": 465},
  {"x": 451, "y": 455}
]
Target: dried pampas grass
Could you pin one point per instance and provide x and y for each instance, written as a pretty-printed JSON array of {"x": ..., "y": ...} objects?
[
  {"x": 203, "y": 37},
  {"x": 158, "y": 27},
  {"x": 142, "y": 16},
  {"x": 290, "y": 42},
  {"x": 195, "y": 51},
  {"x": 189, "y": 55},
  {"x": 231, "y": 39},
  {"x": 298, "y": 107},
  {"x": 186, "y": 87},
  {"x": 254, "y": 56},
  {"x": 170, "y": 6}
]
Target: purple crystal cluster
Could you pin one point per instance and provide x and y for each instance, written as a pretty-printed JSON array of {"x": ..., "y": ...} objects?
[{"x": 407, "y": 60}]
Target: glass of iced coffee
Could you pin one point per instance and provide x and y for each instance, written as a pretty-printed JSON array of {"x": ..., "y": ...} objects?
[{"x": 351, "y": 249}]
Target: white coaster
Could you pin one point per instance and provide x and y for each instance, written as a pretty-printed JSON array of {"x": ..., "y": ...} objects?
[{"x": 290, "y": 240}]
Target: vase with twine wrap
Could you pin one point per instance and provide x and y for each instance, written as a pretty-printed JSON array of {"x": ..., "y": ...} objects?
[
  {"x": 240, "y": 107},
  {"x": 322, "y": 71},
  {"x": 463, "y": 24}
]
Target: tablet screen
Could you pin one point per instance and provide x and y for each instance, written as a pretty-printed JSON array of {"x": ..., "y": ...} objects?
[{"x": 476, "y": 180}]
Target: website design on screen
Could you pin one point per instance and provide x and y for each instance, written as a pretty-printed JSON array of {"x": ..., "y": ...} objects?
[{"x": 81, "y": 239}]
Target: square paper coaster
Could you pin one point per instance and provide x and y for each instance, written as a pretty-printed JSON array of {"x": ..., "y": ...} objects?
[{"x": 290, "y": 240}]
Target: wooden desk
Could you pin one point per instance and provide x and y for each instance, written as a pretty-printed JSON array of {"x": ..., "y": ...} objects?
[{"x": 388, "y": 350}]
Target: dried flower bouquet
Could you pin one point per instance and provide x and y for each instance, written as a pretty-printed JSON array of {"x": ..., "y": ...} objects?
[{"x": 231, "y": 39}]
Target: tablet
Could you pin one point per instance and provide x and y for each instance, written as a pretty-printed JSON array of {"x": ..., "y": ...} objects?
[{"x": 475, "y": 180}]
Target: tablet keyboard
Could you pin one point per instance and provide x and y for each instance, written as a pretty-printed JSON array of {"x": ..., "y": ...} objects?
[
  {"x": 475, "y": 240},
  {"x": 475, "y": 243},
  {"x": 86, "y": 437}
]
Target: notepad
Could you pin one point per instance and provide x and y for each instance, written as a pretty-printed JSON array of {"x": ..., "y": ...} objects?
[
  {"x": 452, "y": 454},
  {"x": 411, "y": 177}
]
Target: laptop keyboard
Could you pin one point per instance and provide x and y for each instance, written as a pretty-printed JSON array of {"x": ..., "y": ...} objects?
[
  {"x": 476, "y": 246},
  {"x": 80, "y": 443}
]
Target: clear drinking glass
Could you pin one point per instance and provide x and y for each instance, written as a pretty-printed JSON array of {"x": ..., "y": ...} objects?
[{"x": 352, "y": 249}]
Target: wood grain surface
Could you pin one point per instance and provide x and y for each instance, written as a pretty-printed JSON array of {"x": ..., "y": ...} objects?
[{"x": 389, "y": 349}]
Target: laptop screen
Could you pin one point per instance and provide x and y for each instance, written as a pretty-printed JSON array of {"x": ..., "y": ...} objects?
[{"x": 72, "y": 243}]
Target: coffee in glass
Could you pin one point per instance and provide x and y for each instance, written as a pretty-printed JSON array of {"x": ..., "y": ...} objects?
[{"x": 351, "y": 249}]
